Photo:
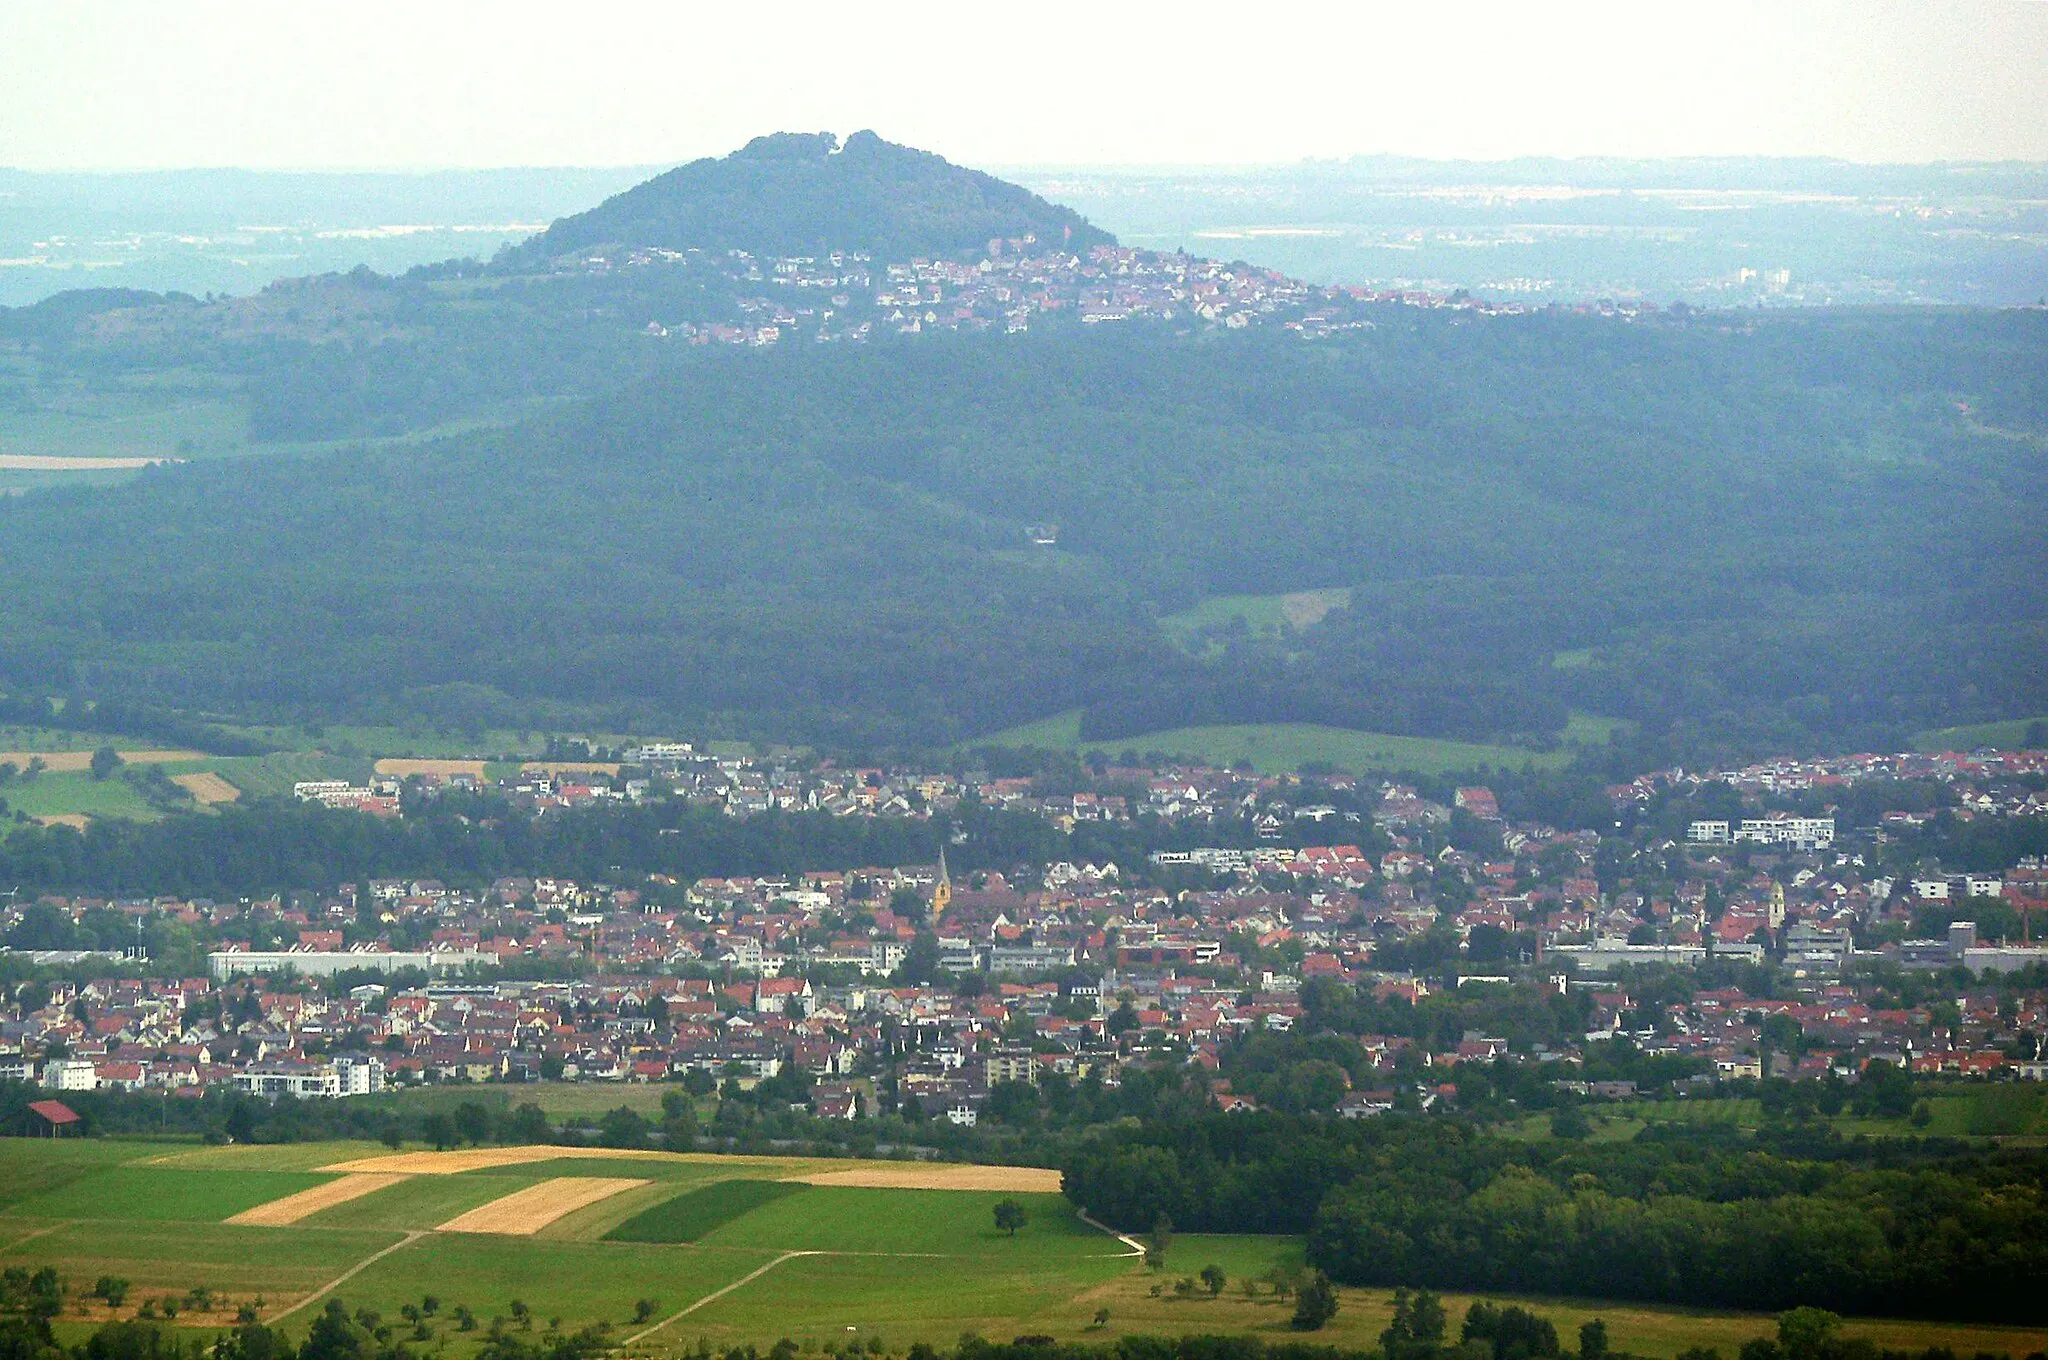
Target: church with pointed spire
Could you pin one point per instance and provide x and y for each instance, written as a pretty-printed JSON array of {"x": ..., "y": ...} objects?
[{"x": 942, "y": 891}]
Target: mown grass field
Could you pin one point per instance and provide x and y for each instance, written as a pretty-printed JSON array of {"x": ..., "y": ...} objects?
[
  {"x": 75, "y": 793},
  {"x": 2010, "y": 734},
  {"x": 688, "y": 1217},
  {"x": 1985, "y": 1111},
  {"x": 904, "y": 1265},
  {"x": 1274, "y": 616},
  {"x": 150, "y": 1194},
  {"x": 1282, "y": 748}
]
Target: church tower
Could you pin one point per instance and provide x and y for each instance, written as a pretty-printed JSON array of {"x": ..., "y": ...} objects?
[{"x": 942, "y": 891}]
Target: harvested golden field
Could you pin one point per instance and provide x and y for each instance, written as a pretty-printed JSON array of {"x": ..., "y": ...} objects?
[
  {"x": 44, "y": 462},
  {"x": 525, "y": 1212},
  {"x": 77, "y": 820},
  {"x": 207, "y": 787},
  {"x": 279, "y": 1213},
  {"x": 57, "y": 761},
  {"x": 1023, "y": 1180},
  {"x": 483, "y": 1158},
  {"x": 400, "y": 767}
]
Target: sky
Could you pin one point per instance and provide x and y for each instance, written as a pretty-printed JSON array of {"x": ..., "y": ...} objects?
[{"x": 311, "y": 84}]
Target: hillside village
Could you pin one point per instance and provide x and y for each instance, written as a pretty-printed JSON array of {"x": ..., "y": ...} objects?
[
  {"x": 850, "y": 296},
  {"x": 906, "y": 988}
]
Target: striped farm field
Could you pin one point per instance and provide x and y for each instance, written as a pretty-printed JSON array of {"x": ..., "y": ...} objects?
[
  {"x": 525, "y": 1212},
  {"x": 206, "y": 787},
  {"x": 279, "y": 1213},
  {"x": 676, "y": 1250}
]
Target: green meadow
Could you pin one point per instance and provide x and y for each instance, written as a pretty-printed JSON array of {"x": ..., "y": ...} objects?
[
  {"x": 2011, "y": 734},
  {"x": 950, "y": 1223},
  {"x": 149, "y": 1194},
  {"x": 713, "y": 1249},
  {"x": 1283, "y": 748},
  {"x": 689, "y": 1216}
]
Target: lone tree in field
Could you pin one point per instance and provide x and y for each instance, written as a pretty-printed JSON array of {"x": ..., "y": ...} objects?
[
  {"x": 1213, "y": 1279},
  {"x": 105, "y": 761},
  {"x": 1315, "y": 1304},
  {"x": 1010, "y": 1216},
  {"x": 1162, "y": 1238}
]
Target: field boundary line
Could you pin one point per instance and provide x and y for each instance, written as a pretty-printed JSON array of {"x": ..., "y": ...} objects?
[
  {"x": 716, "y": 1294},
  {"x": 338, "y": 1281},
  {"x": 1137, "y": 1248}
]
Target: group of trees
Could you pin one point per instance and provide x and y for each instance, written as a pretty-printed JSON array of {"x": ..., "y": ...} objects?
[
  {"x": 1673, "y": 1217},
  {"x": 1928, "y": 1242}
]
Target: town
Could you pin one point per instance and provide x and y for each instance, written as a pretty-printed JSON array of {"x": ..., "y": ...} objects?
[
  {"x": 851, "y": 297},
  {"x": 909, "y": 989}
]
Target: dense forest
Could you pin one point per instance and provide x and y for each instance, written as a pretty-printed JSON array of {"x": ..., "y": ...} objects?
[
  {"x": 1669, "y": 1217},
  {"x": 1752, "y": 536}
]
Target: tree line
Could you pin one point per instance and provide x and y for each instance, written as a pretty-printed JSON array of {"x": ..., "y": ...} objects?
[{"x": 1672, "y": 1217}]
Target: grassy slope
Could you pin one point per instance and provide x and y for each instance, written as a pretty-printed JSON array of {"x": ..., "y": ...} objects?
[
  {"x": 944, "y": 1222},
  {"x": 1267, "y": 615},
  {"x": 691, "y": 1216},
  {"x": 2009, "y": 734},
  {"x": 148, "y": 1194},
  {"x": 76, "y": 792},
  {"x": 579, "y": 1282},
  {"x": 1276, "y": 748}
]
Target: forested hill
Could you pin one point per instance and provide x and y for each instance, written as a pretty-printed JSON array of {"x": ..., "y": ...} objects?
[
  {"x": 803, "y": 193},
  {"x": 1761, "y": 533}
]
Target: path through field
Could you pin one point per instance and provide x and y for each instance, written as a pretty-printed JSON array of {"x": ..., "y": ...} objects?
[
  {"x": 338, "y": 1281},
  {"x": 718, "y": 1294},
  {"x": 1137, "y": 1248}
]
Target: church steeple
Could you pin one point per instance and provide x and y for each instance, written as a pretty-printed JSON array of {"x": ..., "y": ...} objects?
[{"x": 942, "y": 891}]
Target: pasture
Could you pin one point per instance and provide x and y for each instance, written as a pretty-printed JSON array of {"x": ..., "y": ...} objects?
[
  {"x": 670, "y": 1249},
  {"x": 1281, "y": 748}
]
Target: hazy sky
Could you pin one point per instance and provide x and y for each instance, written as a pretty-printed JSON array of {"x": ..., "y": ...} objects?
[{"x": 308, "y": 83}]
